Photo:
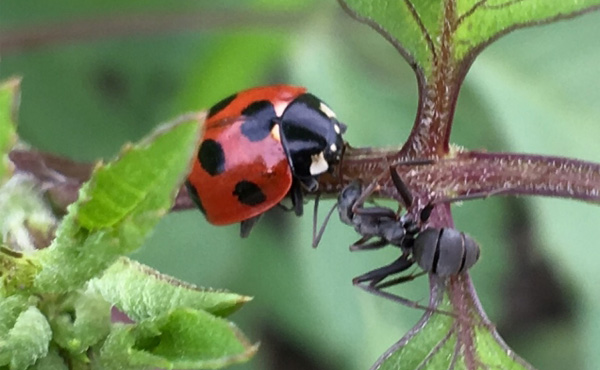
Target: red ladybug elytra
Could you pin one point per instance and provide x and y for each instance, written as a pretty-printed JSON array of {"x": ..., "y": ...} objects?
[{"x": 258, "y": 146}]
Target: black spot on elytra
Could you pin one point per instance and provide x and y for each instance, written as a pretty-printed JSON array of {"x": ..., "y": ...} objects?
[
  {"x": 220, "y": 105},
  {"x": 259, "y": 120},
  {"x": 212, "y": 157},
  {"x": 194, "y": 196},
  {"x": 249, "y": 193}
]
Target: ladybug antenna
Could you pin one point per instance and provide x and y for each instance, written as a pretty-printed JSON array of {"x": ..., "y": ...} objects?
[{"x": 317, "y": 235}]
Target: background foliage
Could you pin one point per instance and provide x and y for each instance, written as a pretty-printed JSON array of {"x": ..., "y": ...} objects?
[{"x": 533, "y": 91}]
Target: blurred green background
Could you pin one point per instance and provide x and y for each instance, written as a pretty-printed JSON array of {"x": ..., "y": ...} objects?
[{"x": 99, "y": 74}]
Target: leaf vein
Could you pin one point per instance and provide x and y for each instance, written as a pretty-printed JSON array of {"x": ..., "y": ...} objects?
[{"x": 419, "y": 21}]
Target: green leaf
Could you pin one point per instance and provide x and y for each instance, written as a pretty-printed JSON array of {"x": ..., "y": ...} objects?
[
  {"x": 52, "y": 361},
  {"x": 419, "y": 29},
  {"x": 478, "y": 22},
  {"x": 26, "y": 341},
  {"x": 119, "y": 206},
  {"x": 465, "y": 341},
  {"x": 142, "y": 292},
  {"x": 183, "y": 338},
  {"x": 9, "y": 101},
  {"x": 10, "y": 309},
  {"x": 80, "y": 321}
]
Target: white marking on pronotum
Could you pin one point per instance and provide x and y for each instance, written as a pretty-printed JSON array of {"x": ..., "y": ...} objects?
[
  {"x": 325, "y": 109},
  {"x": 275, "y": 133},
  {"x": 318, "y": 165},
  {"x": 280, "y": 107},
  {"x": 337, "y": 128},
  {"x": 333, "y": 148}
]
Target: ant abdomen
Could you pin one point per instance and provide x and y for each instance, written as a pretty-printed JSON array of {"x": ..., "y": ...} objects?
[{"x": 445, "y": 252}]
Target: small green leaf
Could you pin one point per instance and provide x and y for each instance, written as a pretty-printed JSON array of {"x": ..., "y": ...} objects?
[
  {"x": 10, "y": 309},
  {"x": 419, "y": 29},
  {"x": 143, "y": 293},
  {"x": 130, "y": 183},
  {"x": 52, "y": 361},
  {"x": 183, "y": 338},
  {"x": 467, "y": 341},
  {"x": 119, "y": 206},
  {"x": 479, "y": 21},
  {"x": 9, "y": 101},
  {"x": 80, "y": 321},
  {"x": 414, "y": 28},
  {"x": 26, "y": 341}
]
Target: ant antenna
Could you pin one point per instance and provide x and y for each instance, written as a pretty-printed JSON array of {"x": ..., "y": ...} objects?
[
  {"x": 402, "y": 188},
  {"x": 317, "y": 235}
]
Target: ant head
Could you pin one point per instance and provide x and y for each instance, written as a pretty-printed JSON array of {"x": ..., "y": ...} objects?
[{"x": 347, "y": 199}]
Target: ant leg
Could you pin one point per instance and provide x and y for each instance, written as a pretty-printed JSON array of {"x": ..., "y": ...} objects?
[
  {"x": 403, "y": 190},
  {"x": 378, "y": 212},
  {"x": 401, "y": 300},
  {"x": 399, "y": 280},
  {"x": 377, "y": 275},
  {"x": 372, "y": 283},
  {"x": 364, "y": 195},
  {"x": 361, "y": 244}
]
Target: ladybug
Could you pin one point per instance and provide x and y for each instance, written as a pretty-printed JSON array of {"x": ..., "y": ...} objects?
[{"x": 258, "y": 146}]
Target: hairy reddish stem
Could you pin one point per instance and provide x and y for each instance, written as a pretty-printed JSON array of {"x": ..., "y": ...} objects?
[
  {"x": 464, "y": 173},
  {"x": 438, "y": 94},
  {"x": 470, "y": 173}
]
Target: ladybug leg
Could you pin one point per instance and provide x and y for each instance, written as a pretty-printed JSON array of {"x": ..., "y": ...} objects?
[
  {"x": 297, "y": 197},
  {"x": 309, "y": 183},
  {"x": 247, "y": 225}
]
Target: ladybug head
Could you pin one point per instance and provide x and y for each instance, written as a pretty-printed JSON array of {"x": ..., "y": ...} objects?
[{"x": 311, "y": 136}]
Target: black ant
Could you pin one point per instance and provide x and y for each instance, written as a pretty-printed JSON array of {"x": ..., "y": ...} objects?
[{"x": 440, "y": 251}]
